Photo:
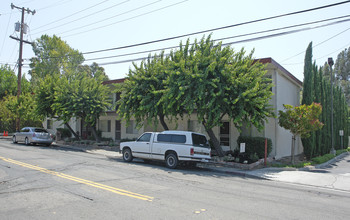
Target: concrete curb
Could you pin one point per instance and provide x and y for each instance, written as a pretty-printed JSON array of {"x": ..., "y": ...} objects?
[{"x": 335, "y": 159}]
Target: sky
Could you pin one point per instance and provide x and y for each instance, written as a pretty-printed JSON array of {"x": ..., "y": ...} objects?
[{"x": 94, "y": 25}]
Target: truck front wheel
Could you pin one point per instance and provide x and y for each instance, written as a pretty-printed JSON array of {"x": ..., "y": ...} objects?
[
  {"x": 171, "y": 161},
  {"x": 127, "y": 155}
]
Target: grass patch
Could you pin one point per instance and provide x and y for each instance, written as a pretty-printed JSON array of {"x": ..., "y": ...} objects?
[{"x": 314, "y": 161}]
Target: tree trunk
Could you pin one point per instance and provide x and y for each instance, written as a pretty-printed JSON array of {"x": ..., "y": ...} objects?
[
  {"x": 71, "y": 130},
  {"x": 293, "y": 149},
  {"x": 94, "y": 133},
  {"x": 162, "y": 122},
  {"x": 215, "y": 142}
]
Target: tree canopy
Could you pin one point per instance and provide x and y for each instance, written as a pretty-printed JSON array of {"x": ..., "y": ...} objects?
[
  {"x": 53, "y": 56},
  {"x": 204, "y": 77}
]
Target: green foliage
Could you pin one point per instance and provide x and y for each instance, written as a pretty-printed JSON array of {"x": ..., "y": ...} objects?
[
  {"x": 322, "y": 159},
  {"x": 11, "y": 108},
  {"x": 8, "y": 82},
  {"x": 53, "y": 56},
  {"x": 203, "y": 77},
  {"x": 65, "y": 133},
  {"x": 301, "y": 120},
  {"x": 317, "y": 88},
  {"x": 143, "y": 91},
  {"x": 255, "y": 145}
]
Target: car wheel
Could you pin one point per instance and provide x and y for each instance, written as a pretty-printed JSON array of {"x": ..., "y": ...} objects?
[
  {"x": 26, "y": 141},
  {"x": 171, "y": 161},
  {"x": 47, "y": 145},
  {"x": 127, "y": 155},
  {"x": 14, "y": 140}
]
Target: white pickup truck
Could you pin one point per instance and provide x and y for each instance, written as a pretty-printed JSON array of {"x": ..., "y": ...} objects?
[{"x": 171, "y": 146}]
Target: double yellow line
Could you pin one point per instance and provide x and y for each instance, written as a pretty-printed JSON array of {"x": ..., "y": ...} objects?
[{"x": 79, "y": 180}]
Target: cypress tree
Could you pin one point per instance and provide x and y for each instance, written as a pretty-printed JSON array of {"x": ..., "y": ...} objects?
[{"x": 308, "y": 95}]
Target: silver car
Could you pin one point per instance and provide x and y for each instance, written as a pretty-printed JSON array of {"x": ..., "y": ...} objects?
[{"x": 32, "y": 135}]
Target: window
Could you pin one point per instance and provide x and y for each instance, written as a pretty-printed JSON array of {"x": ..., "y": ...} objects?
[
  {"x": 225, "y": 134},
  {"x": 174, "y": 138},
  {"x": 49, "y": 124},
  {"x": 145, "y": 137},
  {"x": 131, "y": 129},
  {"x": 105, "y": 125},
  {"x": 40, "y": 130},
  {"x": 199, "y": 140}
]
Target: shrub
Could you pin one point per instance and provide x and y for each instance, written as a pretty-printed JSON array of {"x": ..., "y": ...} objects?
[
  {"x": 65, "y": 132},
  {"x": 322, "y": 159},
  {"x": 255, "y": 145}
]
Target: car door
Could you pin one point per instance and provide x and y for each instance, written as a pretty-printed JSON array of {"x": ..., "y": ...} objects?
[
  {"x": 21, "y": 134},
  {"x": 141, "y": 147}
]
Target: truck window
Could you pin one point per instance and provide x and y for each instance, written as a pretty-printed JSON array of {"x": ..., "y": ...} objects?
[
  {"x": 173, "y": 138},
  {"x": 199, "y": 140},
  {"x": 145, "y": 137}
]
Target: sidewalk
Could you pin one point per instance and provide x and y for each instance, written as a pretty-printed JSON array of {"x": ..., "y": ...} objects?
[{"x": 334, "y": 174}]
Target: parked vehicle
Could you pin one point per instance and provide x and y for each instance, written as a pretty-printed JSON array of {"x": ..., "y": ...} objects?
[
  {"x": 32, "y": 135},
  {"x": 170, "y": 146}
]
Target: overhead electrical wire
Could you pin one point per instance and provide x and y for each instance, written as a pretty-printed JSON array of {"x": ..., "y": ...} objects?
[
  {"x": 317, "y": 44},
  {"x": 234, "y": 25},
  {"x": 89, "y": 15},
  {"x": 68, "y": 16},
  {"x": 219, "y": 28},
  {"x": 127, "y": 19},
  {"x": 221, "y": 39},
  {"x": 245, "y": 40},
  {"x": 135, "y": 9}
]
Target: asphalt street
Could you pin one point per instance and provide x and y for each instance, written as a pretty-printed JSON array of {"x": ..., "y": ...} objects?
[{"x": 59, "y": 183}]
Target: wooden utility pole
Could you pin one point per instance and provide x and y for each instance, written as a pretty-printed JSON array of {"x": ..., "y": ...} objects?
[{"x": 21, "y": 41}]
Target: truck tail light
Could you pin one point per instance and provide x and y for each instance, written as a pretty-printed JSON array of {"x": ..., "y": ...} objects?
[{"x": 192, "y": 151}]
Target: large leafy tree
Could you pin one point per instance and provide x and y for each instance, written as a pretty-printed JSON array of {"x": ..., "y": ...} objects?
[
  {"x": 53, "y": 56},
  {"x": 142, "y": 96},
  {"x": 215, "y": 81},
  {"x": 8, "y": 81},
  {"x": 82, "y": 96}
]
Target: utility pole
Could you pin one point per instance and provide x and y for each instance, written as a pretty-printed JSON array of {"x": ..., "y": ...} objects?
[
  {"x": 330, "y": 63},
  {"x": 22, "y": 29}
]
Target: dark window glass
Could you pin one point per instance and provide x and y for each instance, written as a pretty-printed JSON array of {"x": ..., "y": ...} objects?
[
  {"x": 145, "y": 137},
  {"x": 225, "y": 128},
  {"x": 164, "y": 138},
  {"x": 177, "y": 138},
  {"x": 199, "y": 140},
  {"x": 39, "y": 130}
]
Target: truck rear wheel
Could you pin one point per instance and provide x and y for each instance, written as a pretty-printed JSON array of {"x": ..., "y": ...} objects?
[
  {"x": 171, "y": 161},
  {"x": 127, "y": 155}
]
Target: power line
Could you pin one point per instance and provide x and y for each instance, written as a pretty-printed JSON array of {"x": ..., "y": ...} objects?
[
  {"x": 317, "y": 44},
  {"x": 242, "y": 41},
  {"x": 103, "y": 10},
  {"x": 135, "y": 9},
  {"x": 55, "y": 21},
  {"x": 221, "y": 39},
  {"x": 55, "y": 4},
  {"x": 219, "y": 28},
  {"x": 93, "y": 29}
]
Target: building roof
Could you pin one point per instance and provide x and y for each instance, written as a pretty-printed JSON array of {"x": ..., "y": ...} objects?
[
  {"x": 286, "y": 72},
  {"x": 262, "y": 60}
]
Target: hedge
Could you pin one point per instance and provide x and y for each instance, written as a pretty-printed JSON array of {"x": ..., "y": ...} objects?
[
  {"x": 255, "y": 145},
  {"x": 65, "y": 132}
]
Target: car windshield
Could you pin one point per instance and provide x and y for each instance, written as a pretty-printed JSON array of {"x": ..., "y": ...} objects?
[{"x": 40, "y": 130}]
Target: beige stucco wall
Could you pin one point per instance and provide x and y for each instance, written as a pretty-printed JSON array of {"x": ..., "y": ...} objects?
[{"x": 285, "y": 91}]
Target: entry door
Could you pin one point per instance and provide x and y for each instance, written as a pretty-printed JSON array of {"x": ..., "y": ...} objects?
[
  {"x": 117, "y": 130},
  {"x": 225, "y": 134}
]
